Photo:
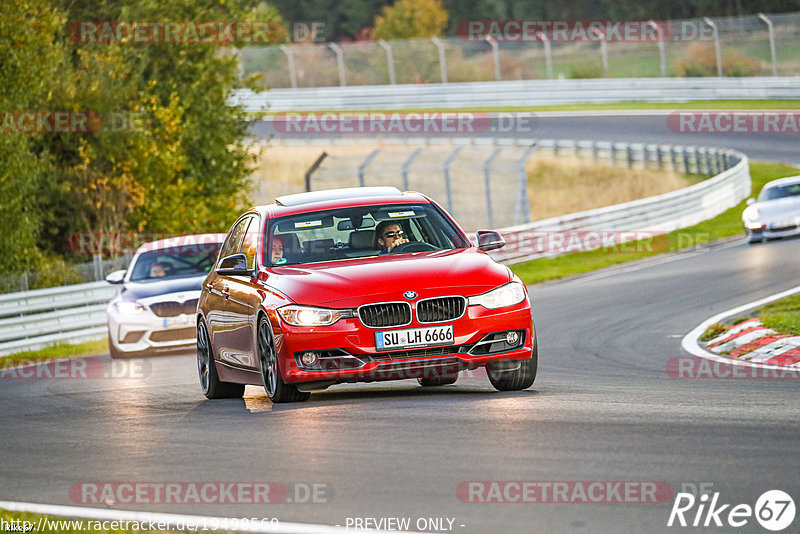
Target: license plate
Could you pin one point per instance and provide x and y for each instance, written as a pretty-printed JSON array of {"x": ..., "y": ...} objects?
[
  {"x": 180, "y": 320},
  {"x": 410, "y": 338}
]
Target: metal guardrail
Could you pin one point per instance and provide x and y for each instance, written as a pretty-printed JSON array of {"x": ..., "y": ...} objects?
[
  {"x": 31, "y": 320},
  {"x": 516, "y": 93},
  {"x": 649, "y": 216},
  {"x": 34, "y": 319}
]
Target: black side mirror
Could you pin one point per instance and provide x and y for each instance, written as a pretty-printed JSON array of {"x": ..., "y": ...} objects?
[
  {"x": 489, "y": 240},
  {"x": 234, "y": 265}
]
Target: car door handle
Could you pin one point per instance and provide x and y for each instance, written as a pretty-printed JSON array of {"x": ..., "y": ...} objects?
[
  {"x": 226, "y": 292},
  {"x": 209, "y": 286}
]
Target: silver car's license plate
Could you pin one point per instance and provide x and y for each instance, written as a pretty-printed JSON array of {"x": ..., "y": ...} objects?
[{"x": 411, "y": 338}]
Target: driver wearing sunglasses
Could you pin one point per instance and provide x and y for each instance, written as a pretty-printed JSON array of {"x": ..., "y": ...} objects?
[{"x": 388, "y": 235}]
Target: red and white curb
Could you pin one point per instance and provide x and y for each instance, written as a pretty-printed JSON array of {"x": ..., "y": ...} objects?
[
  {"x": 173, "y": 521},
  {"x": 753, "y": 342},
  {"x": 750, "y": 343}
]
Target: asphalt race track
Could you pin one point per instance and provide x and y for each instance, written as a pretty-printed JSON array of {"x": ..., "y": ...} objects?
[{"x": 603, "y": 408}]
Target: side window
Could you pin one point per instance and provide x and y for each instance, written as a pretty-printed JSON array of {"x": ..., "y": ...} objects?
[
  {"x": 250, "y": 242},
  {"x": 234, "y": 240}
]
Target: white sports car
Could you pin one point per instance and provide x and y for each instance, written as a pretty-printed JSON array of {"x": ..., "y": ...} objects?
[
  {"x": 155, "y": 311},
  {"x": 776, "y": 213}
]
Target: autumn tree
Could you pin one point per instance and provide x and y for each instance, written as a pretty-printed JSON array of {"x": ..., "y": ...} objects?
[{"x": 409, "y": 19}]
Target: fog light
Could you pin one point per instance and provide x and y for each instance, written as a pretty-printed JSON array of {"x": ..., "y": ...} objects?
[
  {"x": 512, "y": 338},
  {"x": 308, "y": 358}
]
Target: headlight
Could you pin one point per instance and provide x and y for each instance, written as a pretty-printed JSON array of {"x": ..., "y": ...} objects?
[
  {"x": 308, "y": 316},
  {"x": 127, "y": 307},
  {"x": 506, "y": 295},
  {"x": 750, "y": 213}
]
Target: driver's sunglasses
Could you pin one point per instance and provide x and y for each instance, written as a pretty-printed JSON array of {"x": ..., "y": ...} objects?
[{"x": 399, "y": 233}]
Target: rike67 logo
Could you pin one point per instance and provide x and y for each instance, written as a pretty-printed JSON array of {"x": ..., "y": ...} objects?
[{"x": 774, "y": 510}]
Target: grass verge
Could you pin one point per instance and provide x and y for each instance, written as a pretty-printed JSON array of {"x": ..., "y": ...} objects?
[
  {"x": 783, "y": 315},
  {"x": 727, "y": 224},
  {"x": 59, "y": 350}
]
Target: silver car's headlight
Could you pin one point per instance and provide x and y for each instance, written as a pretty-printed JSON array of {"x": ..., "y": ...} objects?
[
  {"x": 308, "y": 316},
  {"x": 128, "y": 307},
  {"x": 505, "y": 295},
  {"x": 750, "y": 213}
]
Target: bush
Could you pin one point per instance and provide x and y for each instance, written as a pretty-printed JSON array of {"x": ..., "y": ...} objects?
[
  {"x": 701, "y": 60},
  {"x": 589, "y": 69}
]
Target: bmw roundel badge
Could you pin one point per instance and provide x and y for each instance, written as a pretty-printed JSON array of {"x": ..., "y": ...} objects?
[{"x": 410, "y": 295}]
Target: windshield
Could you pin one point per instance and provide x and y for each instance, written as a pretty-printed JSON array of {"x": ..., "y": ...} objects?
[
  {"x": 175, "y": 262},
  {"x": 360, "y": 232},
  {"x": 780, "y": 191}
]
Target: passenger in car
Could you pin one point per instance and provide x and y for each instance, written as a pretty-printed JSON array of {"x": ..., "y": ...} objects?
[
  {"x": 158, "y": 270},
  {"x": 388, "y": 235}
]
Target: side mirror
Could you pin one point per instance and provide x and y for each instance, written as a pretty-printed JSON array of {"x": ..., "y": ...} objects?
[
  {"x": 116, "y": 277},
  {"x": 489, "y": 240},
  {"x": 234, "y": 265},
  {"x": 751, "y": 201}
]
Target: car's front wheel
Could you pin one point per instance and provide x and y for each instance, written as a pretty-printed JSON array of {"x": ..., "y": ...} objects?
[
  {"x": 277, "y": 389},
  {"x": 212, "y": 387},
  {"x": 515, "y": 374}
]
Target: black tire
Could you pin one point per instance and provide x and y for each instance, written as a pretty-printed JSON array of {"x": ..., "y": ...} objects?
[
  {"x": 522, "y": 377},
  {"x": 209, "y": 379},
  {"x": 430, "y": 382},
  {"x": 277, "y": 390}
]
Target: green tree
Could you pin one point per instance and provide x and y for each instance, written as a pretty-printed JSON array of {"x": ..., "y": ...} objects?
[
  {"x": 29, "y": 62},
  {"x": 408, "y": 19}
]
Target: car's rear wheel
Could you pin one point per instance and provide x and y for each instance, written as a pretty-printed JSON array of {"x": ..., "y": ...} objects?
[
  {"x": 515, "y": 374},
  {"x": 277, "y": 389},
  {"x": 212, "y": 387}
]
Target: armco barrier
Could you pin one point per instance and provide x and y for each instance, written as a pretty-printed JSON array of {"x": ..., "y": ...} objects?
[
  {"x": 662, "y": 213},
  {"x": 516, "y": 93},
  {"x": 33, "y": 319}
]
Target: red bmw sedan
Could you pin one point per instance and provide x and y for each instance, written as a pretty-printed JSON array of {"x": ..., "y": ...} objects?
[{"x": 359, "y": 285}]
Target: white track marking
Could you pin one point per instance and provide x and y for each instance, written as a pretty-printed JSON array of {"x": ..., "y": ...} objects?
[
  {"x": 690, "y": 341},
  {"x": 108, "y": 514}
]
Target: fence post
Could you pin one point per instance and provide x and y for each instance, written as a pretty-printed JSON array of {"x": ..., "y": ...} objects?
[
  {"x": 339, "y": 62},
  {"x": 717, "y": 51},
  {"x": 662, "y": 48},
  {"x": 389, "y": 60},
  {"x": 523, "y": 208},
  {"x": 629, "y": 154},
  {"x": 365, "y": 164},
  {"x": 97, "y": 266},
  {"x": 603, "y": 48},
  {"x": 311, "y": 170},
  {"x": 495, "y": 57},
  {"x": 772, "y": 52},
  {"x": 447, "y": 164},
  {"x": 442, "y": 59},
  {"x": 548, "y": 54},
  {"x": 487, "y": 166},
  {"x": 407, "y": 165},
  {"x": 290, "y": 59}
]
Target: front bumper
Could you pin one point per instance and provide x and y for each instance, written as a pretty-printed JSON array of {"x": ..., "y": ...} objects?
[
  {"x": 144, "y": 332},
  {"x": 359, "y": 361}
]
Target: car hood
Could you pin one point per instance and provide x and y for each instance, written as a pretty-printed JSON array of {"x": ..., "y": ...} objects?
[
  {"x": 778, "y": 207},
  {"x": 142, "y": 290},
  {"x": 350, "y": 283}
]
